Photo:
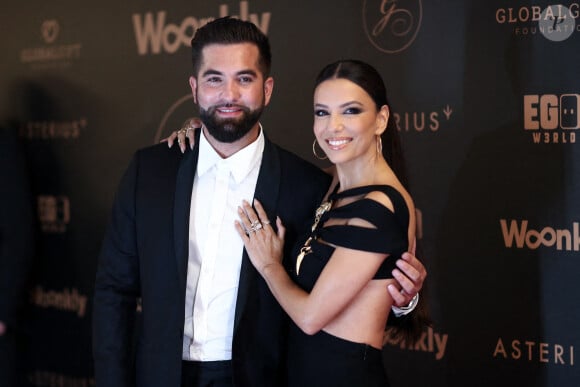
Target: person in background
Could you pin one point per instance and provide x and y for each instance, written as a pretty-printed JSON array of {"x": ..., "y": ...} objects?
[{"x": 16, "y": 251}]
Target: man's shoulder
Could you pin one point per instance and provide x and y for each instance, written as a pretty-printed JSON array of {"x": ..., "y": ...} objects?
[
  {"x": 292, "y": 160},
  {"x": 155, "y": 160},
  {"x": 295, "y": 171},
  {"x": 159, "y": 153},
  {"x": 160, "y": 149}
]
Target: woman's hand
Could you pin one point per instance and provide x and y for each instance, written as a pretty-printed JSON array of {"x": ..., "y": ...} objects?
[
  {"x": 263, "y": 244},
  {"x": 410, "y": 275},
  {"x": 186, "y": 131}
]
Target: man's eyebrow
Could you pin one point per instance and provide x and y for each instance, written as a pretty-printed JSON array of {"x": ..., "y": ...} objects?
[
  {"x": 241, "y": 72},
  {"x": 211, "y": 72},
  {"x": 247, "y": 72}
]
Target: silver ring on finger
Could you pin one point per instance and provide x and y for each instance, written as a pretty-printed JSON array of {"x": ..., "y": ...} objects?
[{"x": 255, "y": 225}]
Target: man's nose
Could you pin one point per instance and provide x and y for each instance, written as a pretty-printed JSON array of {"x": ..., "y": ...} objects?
[{"x": 231, "y": 91}]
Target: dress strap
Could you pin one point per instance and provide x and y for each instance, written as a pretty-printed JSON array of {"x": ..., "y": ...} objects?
[{"x": 361, "y": 190}]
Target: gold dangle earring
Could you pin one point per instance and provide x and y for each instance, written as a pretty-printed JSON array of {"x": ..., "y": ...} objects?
[{"x": 314, "y": 151}]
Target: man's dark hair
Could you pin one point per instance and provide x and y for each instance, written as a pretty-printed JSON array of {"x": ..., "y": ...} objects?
[{"x": 227, "y": 30}]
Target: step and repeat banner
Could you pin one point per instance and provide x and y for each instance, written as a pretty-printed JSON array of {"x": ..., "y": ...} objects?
[{"x": 486, "y": 97}]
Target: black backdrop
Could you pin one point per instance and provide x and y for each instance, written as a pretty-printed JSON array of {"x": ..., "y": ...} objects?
[{"x": 486, "y": 94}]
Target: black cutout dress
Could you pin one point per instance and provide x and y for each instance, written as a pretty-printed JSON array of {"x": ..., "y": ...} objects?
[{"x": 323, "y": 359}]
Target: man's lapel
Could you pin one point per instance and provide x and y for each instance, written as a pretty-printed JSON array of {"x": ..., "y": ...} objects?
[
  {"x": 181, "y": 209},
  {"x": 266, "y": 192}
]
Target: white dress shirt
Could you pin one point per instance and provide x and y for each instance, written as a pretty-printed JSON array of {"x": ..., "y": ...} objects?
[{"x": 215, "y": 247}]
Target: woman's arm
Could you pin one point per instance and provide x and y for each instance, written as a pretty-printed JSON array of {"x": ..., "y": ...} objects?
[
  {"x": 346, "y": 274},
  {"x": 410, "y": 272}
]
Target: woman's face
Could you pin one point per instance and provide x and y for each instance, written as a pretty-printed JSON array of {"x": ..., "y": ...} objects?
[{"x": 346, "y": 121}]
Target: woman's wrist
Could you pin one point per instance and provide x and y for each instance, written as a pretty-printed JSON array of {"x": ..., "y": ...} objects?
[{"x": 270, "y": 268}]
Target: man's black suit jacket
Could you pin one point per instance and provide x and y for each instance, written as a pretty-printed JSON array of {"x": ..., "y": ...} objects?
[{"x": 144, "y": 255}]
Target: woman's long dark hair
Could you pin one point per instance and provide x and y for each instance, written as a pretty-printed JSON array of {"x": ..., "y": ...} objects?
[{"x": 410, "y": 327}]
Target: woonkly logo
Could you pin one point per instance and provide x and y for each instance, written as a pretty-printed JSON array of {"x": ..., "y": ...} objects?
[
  {"x": 518, "y": 234},
  {"x": 392, "y": 25},
  {"x": 154, "y": 35}
]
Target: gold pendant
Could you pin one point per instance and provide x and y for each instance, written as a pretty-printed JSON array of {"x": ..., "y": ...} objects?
[
  {"x": 306, "y": 249},
  {"x": 323, "y": 208},
  {"x": 299, "y": 262},
  {"x": 319, "y": 212}
]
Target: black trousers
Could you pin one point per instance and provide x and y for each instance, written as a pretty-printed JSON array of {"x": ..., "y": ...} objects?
[{"x": 206, "y": 374}]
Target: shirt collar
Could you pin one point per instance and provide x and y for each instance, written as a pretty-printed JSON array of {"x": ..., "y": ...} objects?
[{"x": 240, "y": 163}]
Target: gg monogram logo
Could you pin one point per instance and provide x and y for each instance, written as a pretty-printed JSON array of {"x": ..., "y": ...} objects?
[
  {"x": 50, "y": 30},
  {"x": 392, "y": 25}
]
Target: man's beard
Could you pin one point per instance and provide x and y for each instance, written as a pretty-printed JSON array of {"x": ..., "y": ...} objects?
[{"x": 229, "y": 130}]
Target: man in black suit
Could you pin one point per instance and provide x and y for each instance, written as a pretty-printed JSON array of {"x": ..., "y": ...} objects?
[{"x": 208, "y": 319}]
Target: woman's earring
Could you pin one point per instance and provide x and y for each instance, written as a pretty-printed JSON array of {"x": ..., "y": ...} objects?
[
  {"x": 314, "y": 151},
  {"x": 379, "y": 145}
]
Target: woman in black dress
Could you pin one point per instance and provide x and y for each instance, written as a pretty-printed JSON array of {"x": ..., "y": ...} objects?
[{"x": 335, "y": 293}]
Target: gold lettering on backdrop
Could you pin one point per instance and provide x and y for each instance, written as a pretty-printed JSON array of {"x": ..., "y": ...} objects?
[
  {"x": 48, "y": 378},
  {"x": 429, "y": 341},
  {"x": 402, "y": 18},
  {"x": 50, "y": 55},
  {"x": 421, "y": 120},
  {"x": 392, "y": 25},
  {"x": 154, "y": 35},
  {"x": 534, "y": 352},
  {"x": 518, "y": 234},
  {"x": 69, "y": 300},
  {"x": 53, "y": 213},
  {"x": 49, "y": 130}
]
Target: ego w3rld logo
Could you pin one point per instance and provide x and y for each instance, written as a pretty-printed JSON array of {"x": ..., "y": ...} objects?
[
  {"x": 552, "y": 118},
  {"x": 53, "y": 213},
  {"x": 392, "y": 25}
]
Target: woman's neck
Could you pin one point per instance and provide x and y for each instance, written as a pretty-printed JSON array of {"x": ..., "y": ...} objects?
[{"x": 357, "y": 174}]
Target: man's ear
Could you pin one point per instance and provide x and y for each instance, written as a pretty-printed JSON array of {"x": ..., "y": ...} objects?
[
  {"x": 193, "y": 85},
  {"x": 268, "y": 88}
]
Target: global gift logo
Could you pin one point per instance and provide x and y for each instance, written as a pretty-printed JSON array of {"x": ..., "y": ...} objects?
[{"x": 50, "y": 30}]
